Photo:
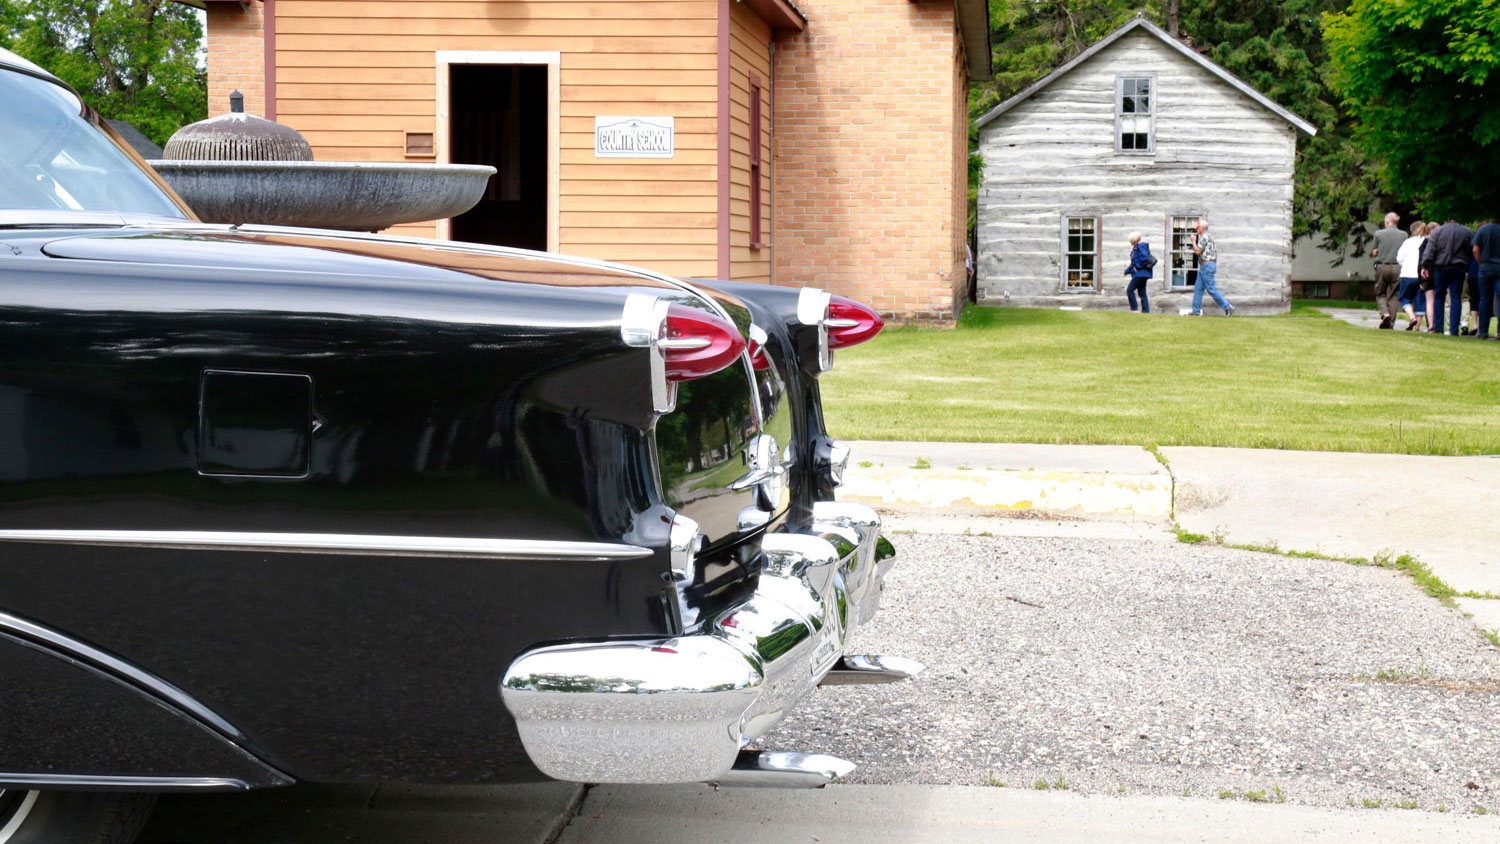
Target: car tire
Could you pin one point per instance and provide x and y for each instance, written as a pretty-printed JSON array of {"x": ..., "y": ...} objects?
[{"x": 72, "y": 817}]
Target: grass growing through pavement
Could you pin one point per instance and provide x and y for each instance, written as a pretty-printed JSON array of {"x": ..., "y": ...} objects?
[
  {"x": 1048, "y": 376},
  {"x": 1420, "y": 573}
]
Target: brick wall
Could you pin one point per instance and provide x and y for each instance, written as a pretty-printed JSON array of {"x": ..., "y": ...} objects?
[
  {"x": 236, "y": 57},
  {"x": 866, "y": 110}
]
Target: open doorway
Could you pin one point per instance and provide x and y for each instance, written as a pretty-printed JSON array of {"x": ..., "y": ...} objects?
[{"x": 499, "y": 117}]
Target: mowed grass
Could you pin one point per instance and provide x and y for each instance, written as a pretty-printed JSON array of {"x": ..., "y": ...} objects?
[{"x": 1048, "y": 376}]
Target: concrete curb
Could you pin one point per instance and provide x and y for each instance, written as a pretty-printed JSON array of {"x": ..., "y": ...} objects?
[{"x": 987, "y": 476}]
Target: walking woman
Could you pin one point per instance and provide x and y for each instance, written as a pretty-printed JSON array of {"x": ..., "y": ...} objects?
[
  {"x": 1413, "y": 300},
  {"x": 1139, "y": 272}
]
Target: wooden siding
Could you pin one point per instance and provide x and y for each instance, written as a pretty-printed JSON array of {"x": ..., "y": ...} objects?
[
  {"x": 354, "y": 77},
  {"x": 749, "y": 52},
  {"x": 1217, "y": 153}
]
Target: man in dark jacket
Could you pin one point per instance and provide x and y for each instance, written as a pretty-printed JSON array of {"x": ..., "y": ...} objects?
[
  {"x": 1445, "y": 261},
  {"x": 1487, "y": 253}
]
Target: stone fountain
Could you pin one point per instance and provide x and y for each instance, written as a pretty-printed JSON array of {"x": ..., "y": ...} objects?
[{"x": 237, "y": 168}]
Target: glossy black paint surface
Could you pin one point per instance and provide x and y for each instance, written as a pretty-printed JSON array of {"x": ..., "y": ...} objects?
[
  {"x": 59, "y": 715},
  {"x": 452, "y": 393}
]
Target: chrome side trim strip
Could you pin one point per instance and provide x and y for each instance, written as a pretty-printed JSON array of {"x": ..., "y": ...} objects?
[
  {"x": 34, "y": 632},
  {"x": 339, "y": 543},
  {"x": 88, "y": 782}
]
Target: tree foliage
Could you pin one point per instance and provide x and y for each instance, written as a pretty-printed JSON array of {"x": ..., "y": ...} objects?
[
  {"x": 134, "y": 60},
  {"x": 1423, "y": 81},
  {"x": 1278, "y": 48}
]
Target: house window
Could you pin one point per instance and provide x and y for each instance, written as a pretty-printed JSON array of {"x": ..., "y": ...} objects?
[
  {"x": 1317, "y": 290},
  {"x": 755, "y": 232},
  {"x": 1135, "y": 113},
  {"x": 1184, "y": 260},
  {"x": 1080, "y": 253}
]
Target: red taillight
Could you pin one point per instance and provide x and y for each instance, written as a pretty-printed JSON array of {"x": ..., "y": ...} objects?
[
  {"x": 850, "y": 323},
  {"x": 696, "y": 344},
  {"x": 758, "y": 358}
]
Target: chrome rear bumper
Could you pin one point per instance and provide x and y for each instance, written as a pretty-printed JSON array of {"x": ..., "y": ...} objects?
[{"x": 680, "y": 709}]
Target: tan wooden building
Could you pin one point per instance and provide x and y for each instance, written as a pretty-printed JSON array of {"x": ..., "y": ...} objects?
[{"x": 823, "y": 143}]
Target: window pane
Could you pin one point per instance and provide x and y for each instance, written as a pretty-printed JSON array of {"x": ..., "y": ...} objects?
[
  {"x": 1143, "y": 85},
  {"x": 1086, "y": 223},
  {"x": 1129, "y": 87},
  {"x": 1143, "y": 104},
  {"x": 1127, "y": 104},
  {"x": 1127, "y": 141}
]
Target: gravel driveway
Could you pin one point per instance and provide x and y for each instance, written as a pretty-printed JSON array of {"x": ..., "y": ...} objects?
[{"x": 1159, "y": 668}]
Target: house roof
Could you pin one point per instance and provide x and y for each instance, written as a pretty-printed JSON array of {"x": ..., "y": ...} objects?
[
  {"x": 1141, "y": 23},
  {"x": 143, "y": 145},
  {"x": 974, "y": 28}
]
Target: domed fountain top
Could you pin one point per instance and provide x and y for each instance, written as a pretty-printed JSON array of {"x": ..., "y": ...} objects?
[
  {"x": 237, "y": 136},
  {"x": 237, "y": 169}
]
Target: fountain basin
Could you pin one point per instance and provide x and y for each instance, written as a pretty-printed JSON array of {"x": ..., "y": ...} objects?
[{"x": 353, "y": 195}]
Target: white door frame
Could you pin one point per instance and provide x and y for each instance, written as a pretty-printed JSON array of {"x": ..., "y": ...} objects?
[{"x": 553, "y": 60}]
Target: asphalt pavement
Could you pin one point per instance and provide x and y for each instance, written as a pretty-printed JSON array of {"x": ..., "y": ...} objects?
[
  {"x": 1077, "y": 687},
  {"x": 1086, "y": 671}
]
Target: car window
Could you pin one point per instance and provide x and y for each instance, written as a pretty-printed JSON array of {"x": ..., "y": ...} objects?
[{"x": 53, "y": 158}]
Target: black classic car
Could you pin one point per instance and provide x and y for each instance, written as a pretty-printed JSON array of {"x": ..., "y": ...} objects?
[{"x": 283, "y": 505}]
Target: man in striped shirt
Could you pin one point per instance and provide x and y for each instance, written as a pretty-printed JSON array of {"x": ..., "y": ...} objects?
[{"x": 1208, "y": 264}]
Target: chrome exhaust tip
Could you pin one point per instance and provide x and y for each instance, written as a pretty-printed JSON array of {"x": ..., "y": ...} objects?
[
  {"x": 868, "y": 670},
  {"x": 759, "y": 769}
]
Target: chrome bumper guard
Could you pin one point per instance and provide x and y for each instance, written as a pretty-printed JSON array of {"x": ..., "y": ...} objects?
[{"x": 680, "y": 709}]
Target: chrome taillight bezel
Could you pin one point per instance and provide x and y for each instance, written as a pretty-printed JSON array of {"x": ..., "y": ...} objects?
[
  {"x": 684, "y": 542},
  {"x": 643, "y": 324},
  {"x": 812, "y": 310}
]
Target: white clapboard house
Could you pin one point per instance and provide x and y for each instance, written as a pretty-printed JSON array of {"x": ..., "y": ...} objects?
[{"x": 1138, "y": 133}]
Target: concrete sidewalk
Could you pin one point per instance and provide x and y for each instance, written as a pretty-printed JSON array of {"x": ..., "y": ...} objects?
[
  {"x": 1114, "y": 479},
  {"x": 560, "y": 813},
  {"x": 1339, "y": 503}
]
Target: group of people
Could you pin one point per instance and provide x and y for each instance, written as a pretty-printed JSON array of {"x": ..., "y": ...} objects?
[
  {"x": 1425, "y": 270},
  {"x": 1142, "y": 264}
]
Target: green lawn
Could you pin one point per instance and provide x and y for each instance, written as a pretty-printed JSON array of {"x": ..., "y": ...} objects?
[{"x": 1048, "y": 376}]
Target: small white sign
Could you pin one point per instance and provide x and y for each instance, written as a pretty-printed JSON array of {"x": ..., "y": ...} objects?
[{"x": 634, "y": 137}]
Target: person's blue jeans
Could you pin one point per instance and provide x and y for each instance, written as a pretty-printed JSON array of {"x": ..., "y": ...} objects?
[
  {"x": 1448, "y": 284},
  {"x": 1138, "y": 285},
  {"x": 1205, "y": 284},
  {"x": 1489, "y": 296}
]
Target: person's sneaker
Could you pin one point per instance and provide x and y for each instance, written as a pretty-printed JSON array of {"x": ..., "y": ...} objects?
[{"x": 1229, "y": 311}]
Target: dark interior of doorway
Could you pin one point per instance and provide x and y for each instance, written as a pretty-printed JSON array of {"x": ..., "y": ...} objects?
[{"x": 499, "y": 118}]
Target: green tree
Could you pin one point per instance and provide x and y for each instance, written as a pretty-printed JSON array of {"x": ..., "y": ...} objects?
[
  {"x": 1278, "y": 48},
  {"x": 1422, "y": 81},
  {"x": 134, "y": 60}
]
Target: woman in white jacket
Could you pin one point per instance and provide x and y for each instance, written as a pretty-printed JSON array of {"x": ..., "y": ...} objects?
[{"x": 1410, "y": 292}]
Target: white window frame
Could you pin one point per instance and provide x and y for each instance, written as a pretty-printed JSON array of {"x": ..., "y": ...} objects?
[
  {"x": 1167, "y": 276},
  {"x": 1062, "y": 276},
  {"x": 1152, "y": 98}
]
